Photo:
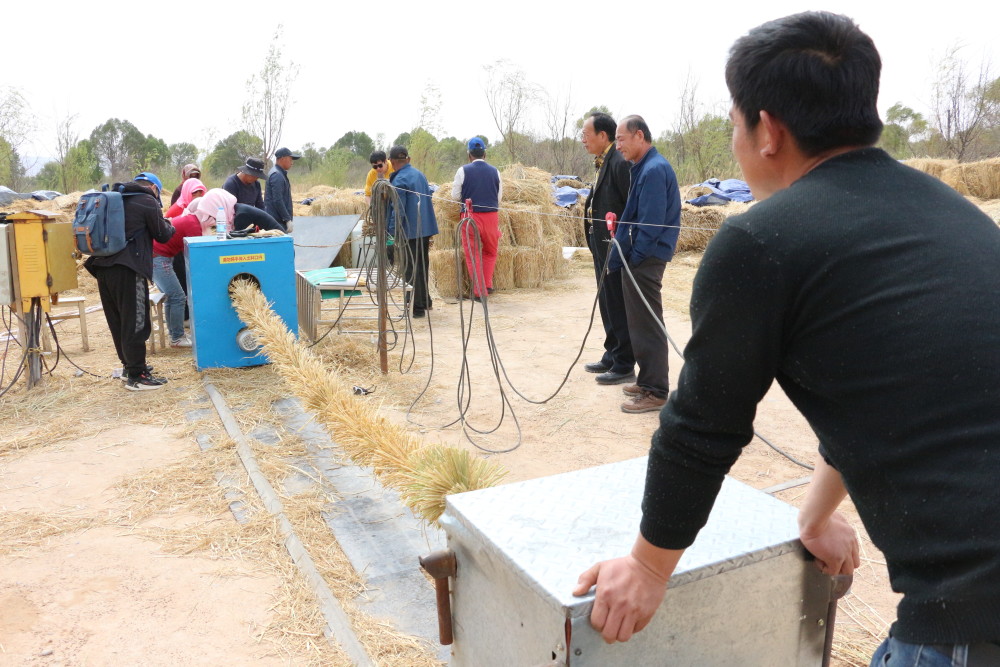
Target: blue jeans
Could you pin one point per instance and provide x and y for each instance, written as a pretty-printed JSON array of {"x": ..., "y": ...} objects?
[
  {"x": 166, "y": 280},
  {"x": 894, "y": 653}
]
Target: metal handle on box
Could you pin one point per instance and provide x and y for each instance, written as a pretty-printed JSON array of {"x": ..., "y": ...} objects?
[
  {"x": 840, "y": 584},
  {"x": 441, "y": 565}
]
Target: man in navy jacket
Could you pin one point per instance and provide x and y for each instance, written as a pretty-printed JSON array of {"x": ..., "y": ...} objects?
[
  {"x": 647, "y": 235},
  {"x": 413, "y": 222}
]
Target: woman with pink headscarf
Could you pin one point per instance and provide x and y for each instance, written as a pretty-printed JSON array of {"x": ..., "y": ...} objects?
[
  {"x": 190, "y": 189},
  {"x": 187, "y": 171},
  {"x": 239, "y": 216}
]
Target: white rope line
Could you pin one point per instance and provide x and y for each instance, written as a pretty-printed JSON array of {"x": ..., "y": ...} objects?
[{"x": 556, "y": 215}]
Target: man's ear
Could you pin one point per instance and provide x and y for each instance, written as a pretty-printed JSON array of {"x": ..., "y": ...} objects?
[{"x": 773, "y": 135}]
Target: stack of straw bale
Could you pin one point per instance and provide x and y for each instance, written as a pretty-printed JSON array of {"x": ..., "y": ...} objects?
[
  {"x": 931, "y": 166},
  {"x": 975, "y": 179},
  {"x": 698, "y": 226}
]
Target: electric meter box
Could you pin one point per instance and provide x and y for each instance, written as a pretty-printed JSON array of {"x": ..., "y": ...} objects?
[
  {"x": 744, "y": 594},
  {"x": 43, "y": 260},
  {"x": 220, "y": 339}
]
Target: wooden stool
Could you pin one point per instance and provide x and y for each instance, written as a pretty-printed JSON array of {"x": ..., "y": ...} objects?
[
  {"x": 80, "y": 314},
  {"x": 156, "y": 302}
]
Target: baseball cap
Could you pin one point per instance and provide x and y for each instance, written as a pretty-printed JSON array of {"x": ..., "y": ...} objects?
[
  {"x": 476, "y": 142},
  {"x": 398, "y": 153},
  {"x": 284, "y": 152},
  {"x": 151, "y": 177}
]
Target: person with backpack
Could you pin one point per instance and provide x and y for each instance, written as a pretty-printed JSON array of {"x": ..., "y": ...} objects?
[{"x": 123, "y": 278}]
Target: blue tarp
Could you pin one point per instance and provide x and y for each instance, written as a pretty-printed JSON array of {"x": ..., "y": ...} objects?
[
  {"x": 722, "y": 192},
  {"x": 567, "y": 196}
]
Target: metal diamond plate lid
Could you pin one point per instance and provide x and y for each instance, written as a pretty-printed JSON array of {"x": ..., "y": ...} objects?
[{"x": 551, "y": 529}]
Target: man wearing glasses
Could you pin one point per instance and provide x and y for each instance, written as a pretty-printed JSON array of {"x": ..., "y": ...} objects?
[{"x": 380, "y": 169}]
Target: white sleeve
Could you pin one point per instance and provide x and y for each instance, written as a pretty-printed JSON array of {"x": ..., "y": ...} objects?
[
  {"x": 456, "y": 187},
  {"x": 499, "y": 189}
]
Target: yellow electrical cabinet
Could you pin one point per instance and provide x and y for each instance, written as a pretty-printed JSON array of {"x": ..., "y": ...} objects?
[{"x": 44, "y": 257}]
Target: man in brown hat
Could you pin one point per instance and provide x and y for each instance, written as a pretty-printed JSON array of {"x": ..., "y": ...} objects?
[{"x": 244, "y": 184}]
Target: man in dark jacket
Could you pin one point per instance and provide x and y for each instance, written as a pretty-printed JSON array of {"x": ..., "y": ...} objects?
[
  {"x": 123, "y": 279},
  {"x": 278, "y": 196},
  {"x": 245, "y": 183},
  {"x": 647, "y": 235},
  {"x": 607, "y": 195},
  {"x": 880, "y": 321}
]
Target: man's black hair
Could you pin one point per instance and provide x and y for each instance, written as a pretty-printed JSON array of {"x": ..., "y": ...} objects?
[
  {"x": 604, "y": 123},
  {"x": 635, "y": 123},
  {"x": 376, "y": 156},
  {"x": 478, "y": 153},
  {"x": 816, "y": 72}
]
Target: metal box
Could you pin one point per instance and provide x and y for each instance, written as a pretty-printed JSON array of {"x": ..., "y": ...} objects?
[
  {"x": 211, "y": 266},
  {"x": 743, "y": 595},
  {"x": 60, "y": 254},
  {"x": 6, "y": 268}
]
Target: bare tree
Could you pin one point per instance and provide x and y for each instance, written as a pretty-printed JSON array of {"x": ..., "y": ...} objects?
[
  {"x": 16, "y": 124},
  {"x": 66, "y": 139},
  {"x": 966, "y": 103},
  {"x": 270, "y": 94},
  {"x": 510, "y": 97},
  {"x": 430, "y": 109},
  {"x": 568, "y": 154}
]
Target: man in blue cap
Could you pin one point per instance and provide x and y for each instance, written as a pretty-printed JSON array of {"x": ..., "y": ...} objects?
[
  {"x": 480, "y": 182},
  {"x": 278, "y": 195},
  {"x": 123, "y": 278}
]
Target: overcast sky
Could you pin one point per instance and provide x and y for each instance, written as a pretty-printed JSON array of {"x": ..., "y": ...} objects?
[{"x": 179, "y": 70}]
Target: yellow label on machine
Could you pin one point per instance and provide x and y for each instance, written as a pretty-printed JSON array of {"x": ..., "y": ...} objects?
[{"x": 236, "y": 259}]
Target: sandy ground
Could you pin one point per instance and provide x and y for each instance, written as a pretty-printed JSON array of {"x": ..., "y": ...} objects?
[{"x": 110, "y": 593}]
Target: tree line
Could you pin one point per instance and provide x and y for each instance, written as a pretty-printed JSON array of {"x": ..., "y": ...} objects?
[{"x": 963, "y": 123}]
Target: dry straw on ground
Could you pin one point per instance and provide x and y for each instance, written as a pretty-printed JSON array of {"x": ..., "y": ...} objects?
[
  {"x": 934, "y": 167},
  {"x": 339, "y": 202},
  {"x": 398, "y": 458},
  {"x": 976, "y": 179}
]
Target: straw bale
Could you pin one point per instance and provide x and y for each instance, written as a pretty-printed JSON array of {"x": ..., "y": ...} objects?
[
  {"x": 931, "y": 166},
  {"x": 570, "y": 182},
  {"x": 693, "y": 191},
  {"x": 320, "y": 190},
  {"x": 528, "y": 267},
  {"x": 552, "y": 262},
  {"x": 518, "y": 171},
  {"x": 443, "y": 268},
  {"x": 445, "y": 209},
  {"x": 344, "y": 257},
  {"x": 525, "y": 225},
  {"x": 507, "y": 238},
  {"x": 992, "y": 209},
  {"x": 570, "y": 225},
  {"x": 526, "y": 191},
  {"x": 698, "y": 225},
  {"x": 978, "y": 179},
  {"x": 340, "y": 202},
  {"x": 503, "y": 273}
]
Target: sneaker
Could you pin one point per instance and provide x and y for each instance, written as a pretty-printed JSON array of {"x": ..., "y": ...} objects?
[
  {"x": 183, "y": 341},
  {"x": 644, "y": 402},
  {"x": 631, "y": 390},
  {"x": 144, "y": 382}
]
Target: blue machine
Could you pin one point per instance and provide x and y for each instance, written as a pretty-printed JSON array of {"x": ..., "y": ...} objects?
[{"x": 220, "y": 338}]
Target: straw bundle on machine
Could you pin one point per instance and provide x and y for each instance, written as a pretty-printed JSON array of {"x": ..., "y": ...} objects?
[
  {"x": 528, "y": 267},
  {"x": 444, "y": 272},
  {"x": 503, "y": 272},
  {"x": 931, "y": 166},
  {"x": 976, "y": 179},
  {"x": 698, "y": 225},
  {"x": 423, "y": 474}
]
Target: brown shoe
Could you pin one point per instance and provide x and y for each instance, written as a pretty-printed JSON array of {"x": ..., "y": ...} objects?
[
  {"x": 644, "y": 402},
  {"x": 632, "y": 390}
]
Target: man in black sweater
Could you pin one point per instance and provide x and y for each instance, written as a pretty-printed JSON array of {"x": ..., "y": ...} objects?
[
  {"x": 608, "y": 195},
  {"x": 870, "y": 292},
  {"x": 245, "y": 183},
  {"x": 123, "y": 279}
]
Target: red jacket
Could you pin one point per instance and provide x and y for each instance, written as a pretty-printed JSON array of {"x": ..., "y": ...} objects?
[{"x": 186, "y": 225}]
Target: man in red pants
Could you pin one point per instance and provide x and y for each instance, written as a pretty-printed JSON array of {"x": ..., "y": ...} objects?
[{"x": 480, "y": 182}]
